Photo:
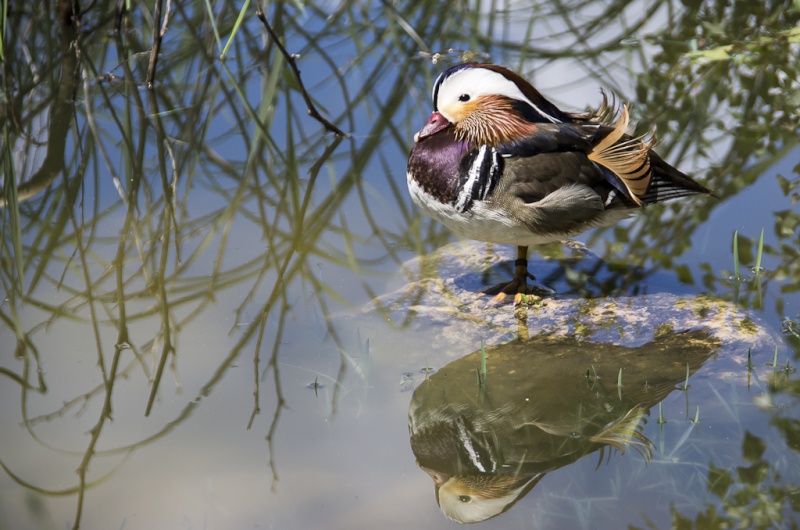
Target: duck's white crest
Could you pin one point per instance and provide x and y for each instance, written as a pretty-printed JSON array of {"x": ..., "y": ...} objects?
[{"x": 476, "y": 82}]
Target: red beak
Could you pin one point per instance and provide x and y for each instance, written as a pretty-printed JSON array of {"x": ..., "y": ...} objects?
[
  {"x": 436, "y": 123},
  {"x": 438, "y": 478}
]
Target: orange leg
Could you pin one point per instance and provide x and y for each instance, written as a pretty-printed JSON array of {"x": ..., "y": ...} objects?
[{"x": 517, "y": 286}]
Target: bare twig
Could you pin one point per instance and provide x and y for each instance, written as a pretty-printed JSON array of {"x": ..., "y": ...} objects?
[
  {"x": 312, "y": 110},
  {"x": 119, "y": 13},
  {"x": 158, "y": 35}
]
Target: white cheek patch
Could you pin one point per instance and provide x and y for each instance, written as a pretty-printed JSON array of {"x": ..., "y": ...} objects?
[{"x": 477, "y": 82}]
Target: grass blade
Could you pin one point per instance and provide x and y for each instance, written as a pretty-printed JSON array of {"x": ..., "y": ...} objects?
[
  {"x": 760, "y": 251},
  {"x": 235, "y": 30}
]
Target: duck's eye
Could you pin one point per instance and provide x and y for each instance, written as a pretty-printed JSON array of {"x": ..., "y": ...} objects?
[
  {"x": 463, "y": 98},
  {"x": 464, "y": 498}
]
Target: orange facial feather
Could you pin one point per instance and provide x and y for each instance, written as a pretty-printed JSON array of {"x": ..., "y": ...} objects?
[{"x": 492, "y": 120}]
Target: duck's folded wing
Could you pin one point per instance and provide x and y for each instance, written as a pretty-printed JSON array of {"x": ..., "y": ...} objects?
[
  {"x": 532, "y": 178},
  {"x": 623, "y": 161},
  {"x": 556, "y": 192}
]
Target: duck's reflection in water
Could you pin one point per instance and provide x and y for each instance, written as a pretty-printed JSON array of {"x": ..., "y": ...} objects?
[{"x": 487, "y": 439}]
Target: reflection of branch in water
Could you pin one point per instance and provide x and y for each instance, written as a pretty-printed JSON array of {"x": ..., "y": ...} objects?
[
  {"x": 82, "y": 400},
  {"x": 105, "y": 415},
  {"x": 25, "y": 347},
  {"x": 278, "y": 290},
  {"x": 60, "y": 120},
  {"x": 83, "y": 241},
  {"x": 273, "y": 426},
  {"x": 108, "y": 376},
  {"x": 17, "y": 379},
  {"x": 159, "y": 30},
  {"x": 66, "y": 491},
  {"x": 161, "y": 277},
  {"x": 290, "y": 59}
]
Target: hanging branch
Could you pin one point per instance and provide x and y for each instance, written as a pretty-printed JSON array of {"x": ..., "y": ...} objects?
[
  {"x": 158, "y": 35},
  {"x": 312, "y": 110}
]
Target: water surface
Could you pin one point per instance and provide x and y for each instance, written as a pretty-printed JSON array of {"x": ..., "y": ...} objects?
[{"x": 189, "y": 336}]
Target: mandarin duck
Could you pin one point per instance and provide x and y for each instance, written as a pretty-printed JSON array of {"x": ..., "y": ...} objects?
[{"x": 498, "y": 162}]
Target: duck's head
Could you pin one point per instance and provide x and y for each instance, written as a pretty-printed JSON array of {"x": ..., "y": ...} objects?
[{"x": 487, "y": 104}]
